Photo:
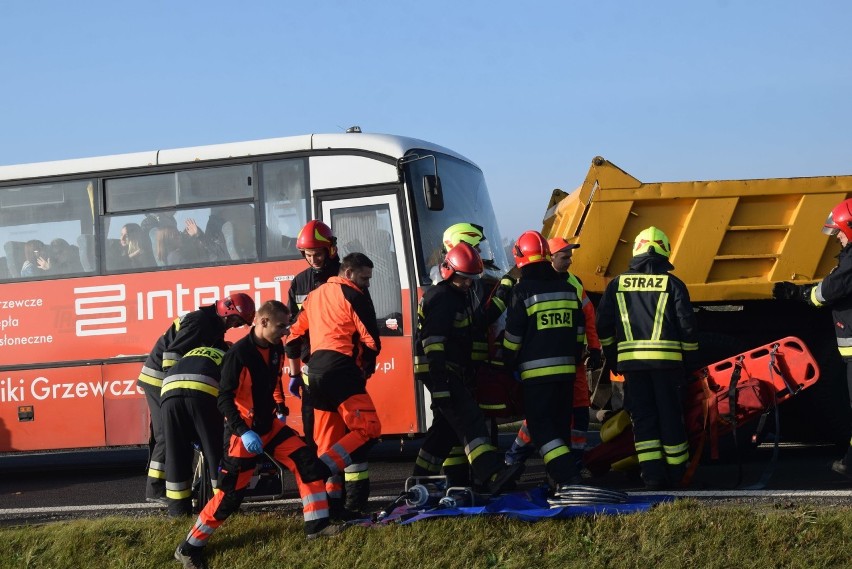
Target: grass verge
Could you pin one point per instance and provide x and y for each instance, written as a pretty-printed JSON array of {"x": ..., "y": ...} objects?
[{"x": 681, "y": 534}]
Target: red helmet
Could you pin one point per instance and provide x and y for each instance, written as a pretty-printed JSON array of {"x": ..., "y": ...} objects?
[
  {"x": 530, "y": 248},
  {"x": 463, "y": 260},
  {"x": 238, "y": 304},
  {"x": 316, "y": 235},
  {"x": 840, "y": 220}
]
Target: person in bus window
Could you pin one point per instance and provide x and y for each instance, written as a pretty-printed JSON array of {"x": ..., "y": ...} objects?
[
  {"x": 64, "y": 259},
  {"x": 158, "y": 219},
  {"x": 211, "y": 241},
  {"x": 36, "y": 259},
  {"x": 174, "y": 248},
  {"x": 136, "y": 247}
]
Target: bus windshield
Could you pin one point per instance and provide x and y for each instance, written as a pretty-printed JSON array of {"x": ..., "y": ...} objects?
[{"x": 465, "y": 200}]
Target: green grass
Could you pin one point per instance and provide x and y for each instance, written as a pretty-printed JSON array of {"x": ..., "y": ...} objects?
[{"x": 677, "y": 535}]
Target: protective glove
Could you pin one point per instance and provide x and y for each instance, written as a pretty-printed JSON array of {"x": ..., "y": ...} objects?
[
  {"x": 281, "y": 412},
  {"x": 786, "y": 291},
  {"x": 594, "y": 359},
  {"x": 296, "y": 385},
  {"x": 252, "y": 442}
]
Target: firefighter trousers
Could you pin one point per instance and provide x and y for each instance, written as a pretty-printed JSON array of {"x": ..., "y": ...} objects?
[
  {"x": 346, "y": 426},
  {"x": 653, "y": 399},
  {"x": 286, "y": 447},
  {"x": 457, "y": 421},
  {"x": 307, "y": 403},
  {"x": 188, "y": 420},
  {"x": 548, "y": 408},
  {"x": 155, "y": 486}
]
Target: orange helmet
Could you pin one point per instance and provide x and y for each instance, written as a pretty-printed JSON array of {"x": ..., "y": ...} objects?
[
  {"x": 531, "y": 248},
  {"x": 840, "y": 220},
  {"x": 463, "y": 260},
  {"x": 316, "y": 235},
  {"x": 238, "y": 304},
  {"x": 557, "y": 244}
]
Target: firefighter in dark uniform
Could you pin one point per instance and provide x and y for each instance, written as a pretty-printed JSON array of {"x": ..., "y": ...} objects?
[
  {"x": 188, "y": 405},
  {"x": 341, "y": 321},
  {"x": 203, "y": 327},
  {"x": 488, "y": 303},
  {"x": 318, "y": 246},
  {"x": 835, "y": 290},
  {"x": 544, "y": 341},
  {"x": 443, "y": 363},
  {"x": 647, "y": 329},
  {"x": 561, "y": 252},
  {"x": 251, "y": 372}
]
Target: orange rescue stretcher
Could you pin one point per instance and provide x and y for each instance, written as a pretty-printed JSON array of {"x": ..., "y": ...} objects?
[{"x": 717, "y": 400}]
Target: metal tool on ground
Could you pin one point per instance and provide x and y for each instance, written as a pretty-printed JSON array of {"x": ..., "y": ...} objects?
[{"x": 579, "y": 495}]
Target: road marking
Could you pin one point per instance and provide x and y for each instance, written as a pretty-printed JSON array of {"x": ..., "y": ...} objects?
[{"x": 297, "y": 502}]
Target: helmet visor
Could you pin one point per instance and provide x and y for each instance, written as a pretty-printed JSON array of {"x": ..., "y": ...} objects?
[
  {"x": 830, "y": 227},
  {"x": 468, "y": 275},
  {"x": 485, "y": 252}
]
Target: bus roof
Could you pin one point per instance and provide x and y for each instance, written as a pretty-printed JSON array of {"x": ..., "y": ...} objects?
[{"x": 385, "y": 144}]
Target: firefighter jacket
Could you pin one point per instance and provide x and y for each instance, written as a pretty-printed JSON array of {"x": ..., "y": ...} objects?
[
  {"x": 444, "y": 337},
  {"x": 593, "y": 341},
  {"x": 202, "y": 327},
  {"x": 645, "y": 319},
  {"x": 197, "y": 374},
  {"x": 836, "y": 290},
  {"x": 302, "y": 285},
  {"x": 250, "y": 374},
  {"x": 342, "y": 324},
  {"x": 545, "y": 325},
  {"x": 487, "y": 322}
]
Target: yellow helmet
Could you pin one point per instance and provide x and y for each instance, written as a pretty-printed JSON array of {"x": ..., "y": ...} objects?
[
  {"x": 470, "y": 233},
  {"x": 652, "y": 239}
]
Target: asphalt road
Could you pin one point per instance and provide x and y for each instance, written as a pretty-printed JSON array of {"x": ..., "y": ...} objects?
[{"x": 61, "y": 486}]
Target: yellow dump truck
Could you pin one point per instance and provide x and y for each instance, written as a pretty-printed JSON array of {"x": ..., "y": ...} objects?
[{"x": 731, "y": 240}]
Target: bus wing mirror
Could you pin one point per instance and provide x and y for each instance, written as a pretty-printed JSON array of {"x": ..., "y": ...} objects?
[{"x": 433, "y": 193}]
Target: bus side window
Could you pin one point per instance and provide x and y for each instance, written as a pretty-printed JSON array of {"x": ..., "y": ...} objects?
[
  {"x": 86, "y": 243},
  {"x": 14, "y": 257},
  {"x": 4, "y": 269}
]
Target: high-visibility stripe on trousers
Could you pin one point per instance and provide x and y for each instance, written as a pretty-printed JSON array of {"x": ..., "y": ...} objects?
[
  {"x": 282, "y": 444},
  {"x": 344, "y": 438}
]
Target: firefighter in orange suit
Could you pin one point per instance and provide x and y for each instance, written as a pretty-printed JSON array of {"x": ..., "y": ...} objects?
[
  {"x": 318, "y": 247},
  {"x": 341, "y": 320},
  {"x": 251, "y": 371},
  {"x": 647, "y": 330},
  {"x": 203, "y": 327}
]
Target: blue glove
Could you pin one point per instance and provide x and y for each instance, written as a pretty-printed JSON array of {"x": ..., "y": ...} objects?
[
  {"x": 281, "y": 412},
  {"x": 296, "y": 385},
  {"x": 252, "y": 442}
]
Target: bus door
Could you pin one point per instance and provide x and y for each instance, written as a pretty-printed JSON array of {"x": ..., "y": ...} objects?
[{"x": 373, "y": 226}]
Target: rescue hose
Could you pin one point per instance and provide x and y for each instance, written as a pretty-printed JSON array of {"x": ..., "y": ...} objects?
[{"x": 579, "y": 495}]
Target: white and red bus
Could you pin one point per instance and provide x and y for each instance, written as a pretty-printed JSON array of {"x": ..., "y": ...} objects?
[{"x": 73, "y": 337}]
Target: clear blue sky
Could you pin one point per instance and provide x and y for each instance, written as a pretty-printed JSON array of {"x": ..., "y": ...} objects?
[{"x": 530, "y": 91}]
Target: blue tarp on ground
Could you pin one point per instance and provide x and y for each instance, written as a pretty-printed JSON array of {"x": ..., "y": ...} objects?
[{"x": 530, "y": 506}]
